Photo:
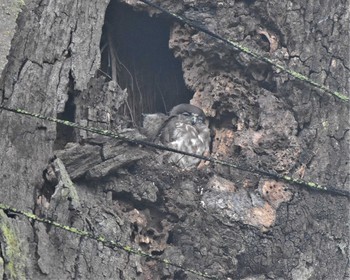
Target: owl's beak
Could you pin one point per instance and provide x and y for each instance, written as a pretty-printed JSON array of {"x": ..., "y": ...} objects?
[{"x": 194, "y": 119}]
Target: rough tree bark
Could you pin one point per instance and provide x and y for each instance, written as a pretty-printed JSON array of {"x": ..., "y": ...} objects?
[{"x": 220, "y": 221}]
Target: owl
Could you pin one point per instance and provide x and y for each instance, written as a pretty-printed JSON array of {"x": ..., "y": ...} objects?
[{"x": 184, "y": 129}]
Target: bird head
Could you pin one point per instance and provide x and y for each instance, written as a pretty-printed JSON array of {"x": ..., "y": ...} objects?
[
  {"x": 193, "y": 117},
  {"x": 191, "y": 113}
]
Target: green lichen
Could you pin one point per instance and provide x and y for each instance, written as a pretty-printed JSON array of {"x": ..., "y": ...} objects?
[
  {"x": 325, "y": 124},
  {"x": 14, "y": 257},
  {"x": 20, "y": 3},
  {"x": 2, "y": 271},
  {"x": 15, "y": 8}
]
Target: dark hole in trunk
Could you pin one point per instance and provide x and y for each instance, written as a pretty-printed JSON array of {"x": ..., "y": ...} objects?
[{"x": 136, "y": 54}]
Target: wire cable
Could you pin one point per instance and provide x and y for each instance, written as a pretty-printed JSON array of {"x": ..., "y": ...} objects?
[
  {"x": 288, "y": 179},
  {"x": 99, "y": 238},
  {"x": 249, "y": 52}
]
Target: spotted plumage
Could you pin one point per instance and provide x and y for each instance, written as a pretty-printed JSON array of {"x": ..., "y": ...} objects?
[{"x": 186, "y": 130}]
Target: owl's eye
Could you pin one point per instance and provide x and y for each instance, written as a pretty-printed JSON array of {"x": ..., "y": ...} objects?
[
  {"x": 200, "y": 119},
  {"x": 186, "y": 114}
]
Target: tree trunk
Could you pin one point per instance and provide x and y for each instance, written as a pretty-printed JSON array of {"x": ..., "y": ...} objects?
[{"x": 102, "y": 64}]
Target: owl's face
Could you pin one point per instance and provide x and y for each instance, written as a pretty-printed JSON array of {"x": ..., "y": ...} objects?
[
  {"x": 191, "y": 118},
  {"x": 188, "y": 114}
]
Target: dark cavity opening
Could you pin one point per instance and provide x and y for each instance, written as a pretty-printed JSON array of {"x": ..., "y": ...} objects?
[
  {"x": 65, "y": 133},
  {"x": 135, "y": 53}
]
